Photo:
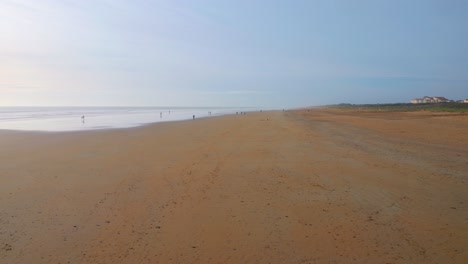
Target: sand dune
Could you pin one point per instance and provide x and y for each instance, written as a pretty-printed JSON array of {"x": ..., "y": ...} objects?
[{"x": 317, "y": 186}]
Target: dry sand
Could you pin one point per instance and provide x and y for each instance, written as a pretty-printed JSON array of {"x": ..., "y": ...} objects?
[{"x": 316, "y": 186}]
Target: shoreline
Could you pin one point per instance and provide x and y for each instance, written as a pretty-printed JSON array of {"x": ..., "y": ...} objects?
[
  {"x": 142, "y": 125},
  {"x": 81, "y": 119}
]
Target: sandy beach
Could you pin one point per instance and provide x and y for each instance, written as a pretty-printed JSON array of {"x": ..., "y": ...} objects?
[{"x": 305, "y": 186}]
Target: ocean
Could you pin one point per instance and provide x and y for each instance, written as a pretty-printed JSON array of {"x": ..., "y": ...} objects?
[{"x": 71, "y": 118}]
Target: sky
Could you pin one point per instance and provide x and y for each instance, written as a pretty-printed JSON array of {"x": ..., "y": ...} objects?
[{"x": 277, "y": 54}]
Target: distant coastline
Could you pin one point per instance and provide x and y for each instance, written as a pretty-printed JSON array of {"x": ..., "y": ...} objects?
[{"x": 406, "y": 107}]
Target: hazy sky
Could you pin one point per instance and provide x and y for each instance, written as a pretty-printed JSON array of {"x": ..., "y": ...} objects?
[{"x": 231, "y": 53}]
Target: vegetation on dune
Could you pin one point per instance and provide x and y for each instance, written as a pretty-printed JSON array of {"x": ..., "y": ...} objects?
[{"x": 406, "y": 107}]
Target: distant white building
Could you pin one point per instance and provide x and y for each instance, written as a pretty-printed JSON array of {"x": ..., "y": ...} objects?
[
  {"x": 428, "y": 99},
  {"x": 465, "y": 101},
  {"x": 440, "y": 99}
]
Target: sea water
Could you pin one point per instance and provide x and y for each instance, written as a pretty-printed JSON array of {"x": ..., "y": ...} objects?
[{"x": 88, "y": 118}]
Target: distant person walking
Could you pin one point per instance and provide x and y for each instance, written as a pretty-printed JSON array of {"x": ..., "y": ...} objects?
[
  {"x": 82, "y": 119},
  {"x": 193, "y": 117}
]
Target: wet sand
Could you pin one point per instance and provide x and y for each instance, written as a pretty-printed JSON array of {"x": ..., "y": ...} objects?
[{"x": 308, "y": 186}]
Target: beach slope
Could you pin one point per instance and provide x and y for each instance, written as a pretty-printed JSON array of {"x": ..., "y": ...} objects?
[{"x": 306, "y": 186}]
